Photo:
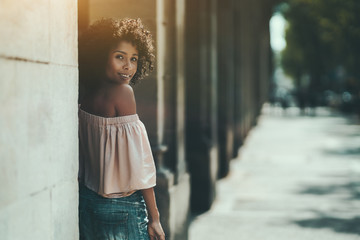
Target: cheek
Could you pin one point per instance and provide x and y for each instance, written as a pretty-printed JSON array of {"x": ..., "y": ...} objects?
[{"x": 135, "y": 66}]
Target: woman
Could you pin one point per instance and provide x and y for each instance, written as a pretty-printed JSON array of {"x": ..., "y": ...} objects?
[{"x": 116, "y": 168}]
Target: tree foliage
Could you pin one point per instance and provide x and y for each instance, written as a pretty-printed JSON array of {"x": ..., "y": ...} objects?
[{"x": 322, "y": 35}]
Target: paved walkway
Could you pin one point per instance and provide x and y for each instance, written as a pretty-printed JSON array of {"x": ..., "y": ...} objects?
[{"x": 295, "y": 178}]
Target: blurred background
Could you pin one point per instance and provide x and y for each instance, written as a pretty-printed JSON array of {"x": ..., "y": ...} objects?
[
  {"x": 318, "y": 53},
  {"x": 224, "y": 69}
]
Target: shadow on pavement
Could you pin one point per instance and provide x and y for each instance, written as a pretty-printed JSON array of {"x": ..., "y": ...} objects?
[
  {"x": 343, "y": 151},
  {"x": 337, "y": 224},
  {"x": 351, "y": 188}
]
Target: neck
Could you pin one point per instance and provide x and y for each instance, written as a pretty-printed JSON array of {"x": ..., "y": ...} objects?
[{"x": 109, "y": 88}]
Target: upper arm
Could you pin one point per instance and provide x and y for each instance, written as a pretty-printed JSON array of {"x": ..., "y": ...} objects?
[{"x": 125, "y": 101}]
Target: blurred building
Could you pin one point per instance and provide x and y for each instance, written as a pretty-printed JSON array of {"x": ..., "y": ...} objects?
[{"x": 211, "y": 79}]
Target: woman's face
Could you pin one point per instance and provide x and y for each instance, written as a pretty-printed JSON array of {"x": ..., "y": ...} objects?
[{"x": 122, "y": 63}]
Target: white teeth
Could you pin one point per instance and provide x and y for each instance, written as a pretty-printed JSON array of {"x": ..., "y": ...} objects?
[{"x": 124, "y": 75}]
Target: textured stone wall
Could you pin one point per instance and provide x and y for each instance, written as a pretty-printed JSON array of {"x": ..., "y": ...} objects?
[{"x": 38, "y": 119}]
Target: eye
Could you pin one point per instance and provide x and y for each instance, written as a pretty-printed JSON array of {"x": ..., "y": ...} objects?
[
  {"x": 134, "y": 59},
  {"x": 119, "y": 57}
]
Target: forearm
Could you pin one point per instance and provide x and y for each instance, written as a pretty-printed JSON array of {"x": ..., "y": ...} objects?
[{"x": 149, "y": 197}]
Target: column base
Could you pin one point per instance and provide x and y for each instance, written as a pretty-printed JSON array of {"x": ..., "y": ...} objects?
[{"x": 173, "y": 203}]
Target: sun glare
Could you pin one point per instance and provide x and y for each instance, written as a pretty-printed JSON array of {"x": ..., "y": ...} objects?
[{"x": 277, "y": 32}]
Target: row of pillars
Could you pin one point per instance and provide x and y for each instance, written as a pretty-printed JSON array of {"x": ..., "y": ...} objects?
[{"x": 228, "y": 68}]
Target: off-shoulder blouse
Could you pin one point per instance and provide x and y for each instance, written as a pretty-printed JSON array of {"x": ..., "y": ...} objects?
[{"x": 115, "y": 157}]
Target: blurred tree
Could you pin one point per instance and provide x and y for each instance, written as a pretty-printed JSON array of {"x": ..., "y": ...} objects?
[{"x": 322, "y": 36}]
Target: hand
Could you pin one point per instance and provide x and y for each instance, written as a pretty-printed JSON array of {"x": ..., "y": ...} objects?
[{"x": 155, "y": 231}]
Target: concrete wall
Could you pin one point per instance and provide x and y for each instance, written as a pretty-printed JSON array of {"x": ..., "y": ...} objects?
[{"x": 38, "y": 119}]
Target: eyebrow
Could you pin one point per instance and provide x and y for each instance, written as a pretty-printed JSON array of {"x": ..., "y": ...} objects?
[{"x": 125, "y": 52}]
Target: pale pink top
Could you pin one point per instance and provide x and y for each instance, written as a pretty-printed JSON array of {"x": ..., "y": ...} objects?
[{"x": 115, "y": 157}]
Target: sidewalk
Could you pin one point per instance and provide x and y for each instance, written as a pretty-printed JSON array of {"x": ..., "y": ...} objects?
[{"x": 296, "y": 177}]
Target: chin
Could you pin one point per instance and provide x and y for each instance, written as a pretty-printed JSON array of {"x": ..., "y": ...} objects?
[
  {"x": 127, "y": 80},
  {"x": 122, "y": 80}
]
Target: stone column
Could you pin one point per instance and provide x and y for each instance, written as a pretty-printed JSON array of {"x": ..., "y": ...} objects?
[
  {"x": 265, "y": 52},
  {"x": 240, "y": 23},
  {"x": 201, "y": 102},
  {"x": 226, "y": 75},
  {"x": 249, "y": 64},
  {"x": 261, "y": 37},
  {"x": 246, "y": 75},
  {"x": 256, "y": 7},
  {"x": 173, "y": 181}
]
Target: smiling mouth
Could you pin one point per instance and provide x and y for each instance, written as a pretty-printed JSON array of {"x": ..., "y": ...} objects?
[{"x": 125, "y": 75}]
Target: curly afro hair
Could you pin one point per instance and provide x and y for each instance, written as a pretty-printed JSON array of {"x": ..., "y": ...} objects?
[{"x": 96, "y": 42}]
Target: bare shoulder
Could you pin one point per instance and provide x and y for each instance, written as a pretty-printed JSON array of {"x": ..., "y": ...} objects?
[
  {"x": 125, "y": 103},
  {"x": 125, "y": 89}
]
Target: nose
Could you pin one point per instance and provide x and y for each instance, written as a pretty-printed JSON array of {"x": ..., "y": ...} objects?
[{"x": 127, "y": 65}]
